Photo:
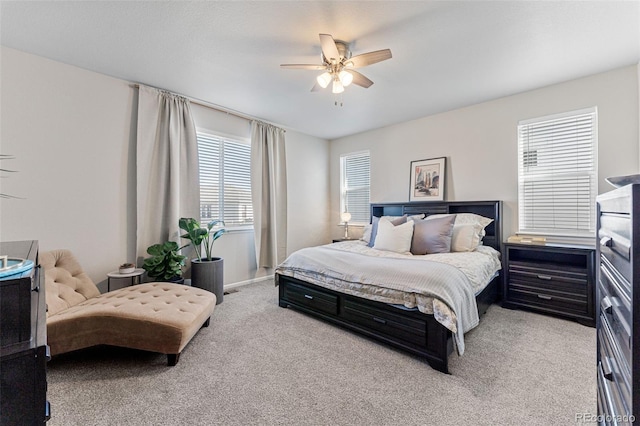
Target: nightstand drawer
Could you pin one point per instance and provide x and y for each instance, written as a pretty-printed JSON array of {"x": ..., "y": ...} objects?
[
  {"x": 548, "y": 299},
  {"x": 548, "y": 278},
  {"x": 316, "y": 299},
  {"x": 409, "y": 330}
]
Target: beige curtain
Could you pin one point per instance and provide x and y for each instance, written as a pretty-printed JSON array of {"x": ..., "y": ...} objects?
[
  {"x": 167, "y": 167},
  {"x": 269, "y": 193}
]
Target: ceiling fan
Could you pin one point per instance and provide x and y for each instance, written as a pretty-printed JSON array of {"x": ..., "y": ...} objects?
[{"x": 339, "y": 66}]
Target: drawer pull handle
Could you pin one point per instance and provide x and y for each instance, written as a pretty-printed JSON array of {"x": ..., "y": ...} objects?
[
  {"x": 380, "y": 320},
  {"x": 308, "y": 296},
  {"x": 606, "y": 241},
  {"x": 545, "y": 297},
  {"x": 606, "y": 368},
  {"x": 606, "y": 306},
  {"x": 544, "y": 277}
]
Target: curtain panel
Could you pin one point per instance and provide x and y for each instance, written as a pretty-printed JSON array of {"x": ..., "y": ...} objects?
[
  {"x": 269, "y": 193},
  {"x": 167, "y": 167}
]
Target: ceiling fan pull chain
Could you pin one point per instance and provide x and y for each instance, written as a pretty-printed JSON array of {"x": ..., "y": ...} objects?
[{"x": 338, "y": 99}]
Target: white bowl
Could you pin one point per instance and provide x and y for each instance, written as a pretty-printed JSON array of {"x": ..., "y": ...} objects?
[{"x": 619, "y": 181}]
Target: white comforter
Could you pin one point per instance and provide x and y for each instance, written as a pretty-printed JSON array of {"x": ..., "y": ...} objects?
[{"x": 444, "y": 285}]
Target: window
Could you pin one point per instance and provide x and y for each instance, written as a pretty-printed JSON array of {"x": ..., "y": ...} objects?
[
  {"x": 354, "y": 186},
  {"x": 225, "y": 180},
  {"x": 557, "y": 174}
]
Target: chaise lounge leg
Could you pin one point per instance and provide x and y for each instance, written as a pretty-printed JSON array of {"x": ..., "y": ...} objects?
[
  {"x": 172, "y": 359},
  {"x": 206, "y": 323}
]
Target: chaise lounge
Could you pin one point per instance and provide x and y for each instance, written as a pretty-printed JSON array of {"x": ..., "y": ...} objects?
[{"x": 157, "y": 317}]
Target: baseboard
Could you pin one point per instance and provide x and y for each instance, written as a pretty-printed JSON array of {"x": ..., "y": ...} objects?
[{"x": 246, "y": 282}]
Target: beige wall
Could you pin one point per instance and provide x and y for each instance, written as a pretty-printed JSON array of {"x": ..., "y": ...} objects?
[
  {"x": 72, "y": 133},
  {"x": 480, "y": 142}
]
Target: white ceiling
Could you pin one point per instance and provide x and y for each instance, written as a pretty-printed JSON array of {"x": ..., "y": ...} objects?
[{"x": 446, "y": 55}]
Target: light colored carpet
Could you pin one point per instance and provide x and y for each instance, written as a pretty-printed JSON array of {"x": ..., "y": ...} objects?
[{"x": 261, "y": 364}]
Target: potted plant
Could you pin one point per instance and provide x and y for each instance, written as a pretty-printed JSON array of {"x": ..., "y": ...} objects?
[
  {"x": 165, "y": 263},
  {"x": 206, "y": 270}
]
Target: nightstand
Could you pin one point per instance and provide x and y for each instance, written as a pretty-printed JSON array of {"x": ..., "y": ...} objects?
[{"x": 551, "y": 279}]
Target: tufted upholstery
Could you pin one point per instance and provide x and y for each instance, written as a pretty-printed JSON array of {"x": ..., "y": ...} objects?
[
  {"x": 66, "y": 283},
  {"x": 158, "y": 317}
]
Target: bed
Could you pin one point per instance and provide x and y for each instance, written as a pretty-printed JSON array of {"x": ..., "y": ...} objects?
[{"x": 405, "y": 323}]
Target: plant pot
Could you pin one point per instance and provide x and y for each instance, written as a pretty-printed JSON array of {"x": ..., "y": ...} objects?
[
  {"x": 208, "y": 275},
  {"x": 176, "y": 280}
]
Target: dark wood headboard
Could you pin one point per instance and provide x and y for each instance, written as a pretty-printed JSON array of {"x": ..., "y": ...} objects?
[{"x": 490, "y": 209}]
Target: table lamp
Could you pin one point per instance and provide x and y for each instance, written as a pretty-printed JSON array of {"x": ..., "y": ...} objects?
[{"x": 346, "y": 217}]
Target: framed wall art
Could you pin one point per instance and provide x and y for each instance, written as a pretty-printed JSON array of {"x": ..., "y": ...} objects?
[{"x": 427, "y": 180}]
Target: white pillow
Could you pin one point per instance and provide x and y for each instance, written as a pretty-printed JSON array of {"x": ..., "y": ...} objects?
[
  {"x": 466, "y": 237},
  {"x": 394, "y": 238},
  {"x": 468, "y": 230},
  {"x": 366, "y": 233},
  {"x": 465, "y": 218}
]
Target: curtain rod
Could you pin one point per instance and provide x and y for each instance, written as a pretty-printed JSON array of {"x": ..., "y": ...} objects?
[{"x": 209, "y": 105}]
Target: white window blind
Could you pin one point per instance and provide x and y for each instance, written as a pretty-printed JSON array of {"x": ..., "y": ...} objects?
[
  {"x": 225, "y": 181},
  {"x": 354, "y": 186},
  {"x": 557, "y": 174}
]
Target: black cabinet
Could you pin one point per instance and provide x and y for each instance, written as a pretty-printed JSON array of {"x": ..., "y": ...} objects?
[
  {"x": 551, "y": 279},
  {"x": 23, "y": 346},
  {"x": 618, "y": 305}
]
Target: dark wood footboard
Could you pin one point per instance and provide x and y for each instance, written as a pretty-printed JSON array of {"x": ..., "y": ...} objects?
[{"x": 409, "y": 330}]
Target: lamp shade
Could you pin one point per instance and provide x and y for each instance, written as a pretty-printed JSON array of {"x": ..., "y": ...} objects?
[
  {"x": 324, "y": 79},
  {"x": 345, "y": 216},
  {"x": 337, "y": 86},
  {"x": 345, "y": 78}
]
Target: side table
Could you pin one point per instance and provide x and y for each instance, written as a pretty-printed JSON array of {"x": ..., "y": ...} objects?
[
  {"x": 134, "y": 276},
  {"x": 552, "y": 279}
]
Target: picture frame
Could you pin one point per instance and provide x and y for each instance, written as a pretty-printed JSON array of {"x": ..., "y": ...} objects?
[{"x": 428, "y": 179}]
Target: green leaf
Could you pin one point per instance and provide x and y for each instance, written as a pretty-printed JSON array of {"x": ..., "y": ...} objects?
[
  {"x": 218, "y": 234},
  {"x": 214, "y": 223}
]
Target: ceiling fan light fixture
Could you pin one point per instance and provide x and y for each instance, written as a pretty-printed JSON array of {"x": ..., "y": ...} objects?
[
  {"x": 345, "y": 78},
  {"x": 324, "y": 79},
  {"x": 337, "y": 86},
  {"x": 338, "y": 66}
]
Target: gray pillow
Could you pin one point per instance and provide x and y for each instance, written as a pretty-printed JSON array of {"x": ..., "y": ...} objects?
[
  {"x": 433, "y": 235},
  {"x": 374, "y": 226}
]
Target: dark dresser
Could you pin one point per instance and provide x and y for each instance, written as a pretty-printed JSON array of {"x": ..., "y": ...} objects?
[
  {"x": 618, "y": 306},
  {"x": 23, "y": 341}
]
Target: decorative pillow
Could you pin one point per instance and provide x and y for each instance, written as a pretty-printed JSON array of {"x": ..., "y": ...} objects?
[
  {"x": 396, "y": 238},
  {"x": 395, "y": 220},
  {"x": 468, "y": 230},
  {"x": 476, "y": 219},
  {"x": 366, "y": 233},
  {"x": 466, "y": 237},
  {"x": 432, "y": 236}
]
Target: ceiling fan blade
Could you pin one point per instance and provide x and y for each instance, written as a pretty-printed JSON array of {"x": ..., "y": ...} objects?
[
  {"x": 360, "y": 79},
  {"x": 329, "y": 49},
  {"x": 368, "y": 58},
  {"x": 303, "y": 67},
  {"x": 316, "y": 88}
]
